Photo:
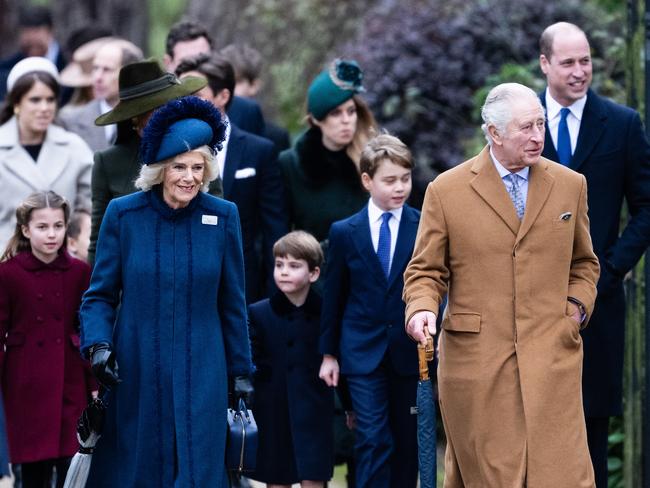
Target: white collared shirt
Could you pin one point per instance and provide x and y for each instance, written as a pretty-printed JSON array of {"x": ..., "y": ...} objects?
[
  {"x": 374, "y": 217},
  {"x": 503, "y": 172},
  {"x": 109, "y": 130},
  {"x": 221, "y": 155},
  {"x": 573, "y": 119}
]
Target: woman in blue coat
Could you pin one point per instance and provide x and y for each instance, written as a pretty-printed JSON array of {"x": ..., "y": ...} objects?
[{"x": 166, "y": 303}]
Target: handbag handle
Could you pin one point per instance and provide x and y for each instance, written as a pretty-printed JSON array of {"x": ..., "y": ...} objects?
[{"x": 242, "y": 411}]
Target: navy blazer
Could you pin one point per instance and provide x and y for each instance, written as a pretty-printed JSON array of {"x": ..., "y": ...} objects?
[
  {"x": 246, "y": 114},
  {"x": 614, "y": 155},
  {"x": 363, "y": 311},
  {"x": 252, "y": 180}
]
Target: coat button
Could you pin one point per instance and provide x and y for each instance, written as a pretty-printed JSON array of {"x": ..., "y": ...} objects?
[
  {"x": 57, "y": 294},
  {"x": 39, "y": 296},
  {"x": 58, "y": 340},
  {"x": 39, "y": 343},
  {"x": 390, "y": 326},
  {"x": 39, "y": 319}
]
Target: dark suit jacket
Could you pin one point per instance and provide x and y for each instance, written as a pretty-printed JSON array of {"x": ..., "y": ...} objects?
[
  {"x": 252, "y": 180},
  {"x": 246, "y": 114},
  {"x": 114, "y": 173},
  {"x": 614, "y": 155},
  {"x": 363, "y": 312}
]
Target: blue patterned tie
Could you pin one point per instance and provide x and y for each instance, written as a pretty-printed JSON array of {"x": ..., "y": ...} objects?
[
  {"x": 383, "y": 247},
  {"x": 515, "y": 195},
  {"x": 563, "y": 139}
]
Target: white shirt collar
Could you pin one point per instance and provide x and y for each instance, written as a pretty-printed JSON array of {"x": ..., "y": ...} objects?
[
  {"x": 375, "y": 213},
  {"x": 504, "y": 172},
  {"x": 553, "y": 107}
]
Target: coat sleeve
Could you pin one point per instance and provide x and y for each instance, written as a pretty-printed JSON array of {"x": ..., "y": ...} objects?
[
  {"x": 427, "y": 274},
  {"x": 272, "y": 208},
  {"x": 231, "y": 301},
  {"x": 584, "y": 272},
  {"x": 99, "y": 305},
  {"x": 335, "y": 293},
  {"x": 84, "y": 156},
  {"x": 635, "y": 238},
  {"x": 101, "y": 196}
]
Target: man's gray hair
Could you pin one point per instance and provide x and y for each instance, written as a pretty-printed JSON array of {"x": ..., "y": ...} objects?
[
  {"x": 497, "y": 109},
  {"x": 153, "y": 174}
]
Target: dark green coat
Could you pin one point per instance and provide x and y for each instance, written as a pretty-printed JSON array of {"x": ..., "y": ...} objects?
[
  {"x": 322, "y": 186},
  {"x": 114, "y": 172}
]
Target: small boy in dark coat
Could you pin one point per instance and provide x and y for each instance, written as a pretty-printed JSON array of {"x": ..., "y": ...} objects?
[
  {"x": 292, "y": 406},
  {"x": 363, "y": 316}
]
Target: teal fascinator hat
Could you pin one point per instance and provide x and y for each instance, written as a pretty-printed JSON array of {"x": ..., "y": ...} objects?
[{"x": 333, "y": 86}]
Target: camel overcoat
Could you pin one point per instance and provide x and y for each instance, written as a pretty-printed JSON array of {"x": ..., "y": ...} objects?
[{"x": 509, "y": 375}]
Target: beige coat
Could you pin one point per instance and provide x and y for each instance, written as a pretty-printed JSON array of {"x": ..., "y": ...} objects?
[
  {"x": 64, "y": 165},
  {"x": 510, "y": 355}
]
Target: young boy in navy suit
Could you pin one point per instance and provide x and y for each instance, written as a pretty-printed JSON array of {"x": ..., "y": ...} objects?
[{"x": 362, "y": 335}]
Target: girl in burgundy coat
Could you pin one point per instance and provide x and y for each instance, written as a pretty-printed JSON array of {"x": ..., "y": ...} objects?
[{"x": 45, "y": 382}]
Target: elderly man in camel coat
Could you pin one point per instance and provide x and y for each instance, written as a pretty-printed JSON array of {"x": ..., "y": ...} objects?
[{"x": 506, "y": 236}]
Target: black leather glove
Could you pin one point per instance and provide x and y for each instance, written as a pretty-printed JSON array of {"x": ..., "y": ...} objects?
[
  {"x": 104, "y": 365},
  {"x": 243, "y": 388},
  {"x": 611, "y": 279}
]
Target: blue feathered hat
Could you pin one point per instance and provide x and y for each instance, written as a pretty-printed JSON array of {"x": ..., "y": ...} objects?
[{"x": 180, "y": 126}]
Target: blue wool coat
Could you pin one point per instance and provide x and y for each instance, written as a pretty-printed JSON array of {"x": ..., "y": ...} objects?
[{"x": 167, "y": 292}]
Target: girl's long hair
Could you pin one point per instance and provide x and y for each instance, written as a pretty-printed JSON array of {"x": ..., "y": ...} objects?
[{"x": 35, "y": 201}]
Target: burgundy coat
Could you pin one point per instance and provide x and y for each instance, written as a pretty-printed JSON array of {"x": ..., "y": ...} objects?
[{"x": 45, "y": 382}]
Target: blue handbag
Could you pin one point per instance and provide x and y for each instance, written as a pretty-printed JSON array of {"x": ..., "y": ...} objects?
[{"x": 241, "y": 443}]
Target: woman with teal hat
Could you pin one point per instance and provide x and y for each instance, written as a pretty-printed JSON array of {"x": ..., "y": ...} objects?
[
  {"x": 321, "y": 171},
  {"x": 164, "y": 319}
]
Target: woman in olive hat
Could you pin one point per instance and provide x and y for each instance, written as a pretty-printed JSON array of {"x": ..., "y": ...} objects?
[
  {"x": 144, "y": 86},
  {"x": 321, "y": 171},
  {"x": 166, "y": 303}
]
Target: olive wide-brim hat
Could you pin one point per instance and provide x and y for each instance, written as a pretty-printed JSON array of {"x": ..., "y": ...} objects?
[{"x": 144, "y": 86}]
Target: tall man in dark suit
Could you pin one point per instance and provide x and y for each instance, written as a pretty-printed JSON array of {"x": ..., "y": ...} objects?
[
  {"x": 250, "y": 173},
  {"x": 605, "y": 142},
  {"x": 187, "y": 39}
]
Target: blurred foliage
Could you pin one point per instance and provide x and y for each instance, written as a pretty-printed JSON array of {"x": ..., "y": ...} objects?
[
  {"x": 425, "y": 60},
  {"x": 162, "y": 15}
]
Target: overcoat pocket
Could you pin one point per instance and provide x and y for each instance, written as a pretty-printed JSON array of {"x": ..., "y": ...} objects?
[{"x": 463, "y": 322}]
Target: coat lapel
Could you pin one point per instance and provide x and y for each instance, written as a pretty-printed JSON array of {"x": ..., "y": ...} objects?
[
  {"x": 490, "y": 187},
  {"x": 540, "y": 183},
  {"x": 408, "y": 228},
  {"x": 53, "y": 158},
  {"x": 592, "y": 126},
  {"x": 234, "y": 154},
  {"x": 363, "y": 243}
]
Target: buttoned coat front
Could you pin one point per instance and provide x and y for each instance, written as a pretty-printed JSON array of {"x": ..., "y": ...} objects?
[
  {"x": 63, "y": 166},
  {"x": 509, "y": 374},
  {"x": 167, "y": 292},
  {"x": 45, "y": 382}
]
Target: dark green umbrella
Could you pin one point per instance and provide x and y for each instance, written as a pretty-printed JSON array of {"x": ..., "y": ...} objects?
[{"x": 426, "y": 417}]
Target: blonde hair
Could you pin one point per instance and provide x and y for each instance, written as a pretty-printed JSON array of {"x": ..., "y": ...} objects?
[
  {"x": 300, "y": 245},
  {"x": 35, "y": 201},
  {"x": 153, "y": 174},
  {"x": 384, "y": 146}
]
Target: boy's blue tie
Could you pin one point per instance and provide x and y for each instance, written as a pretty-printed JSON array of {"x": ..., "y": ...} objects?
[
  {"x": 563, "y": 139},
  {"x": 383, "y": 247}
]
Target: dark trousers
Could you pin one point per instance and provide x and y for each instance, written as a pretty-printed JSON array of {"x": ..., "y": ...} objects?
[
  {"x": 39, "y": 474},
  {"x": 597, "y": 433},
  {"x": 386, "y": 429}
]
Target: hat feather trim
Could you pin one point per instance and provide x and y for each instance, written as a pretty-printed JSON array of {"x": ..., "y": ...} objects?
[{"x": 189, "y": 107}]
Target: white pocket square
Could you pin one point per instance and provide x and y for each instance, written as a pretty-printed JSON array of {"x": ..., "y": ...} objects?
[{"x": 244, "y": 173}]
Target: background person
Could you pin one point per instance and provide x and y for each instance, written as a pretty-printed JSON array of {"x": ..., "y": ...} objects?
[
  {"x": 79, "y": 233},
  {"x": 606, "y": 143},
  {"x": 166, "y": 303},
  {"x": 36, "y": 154},
  {"x": 321, "y": 171},
  {"x": 251, "y": 177},
  {"x": 45, "y": 382}
]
